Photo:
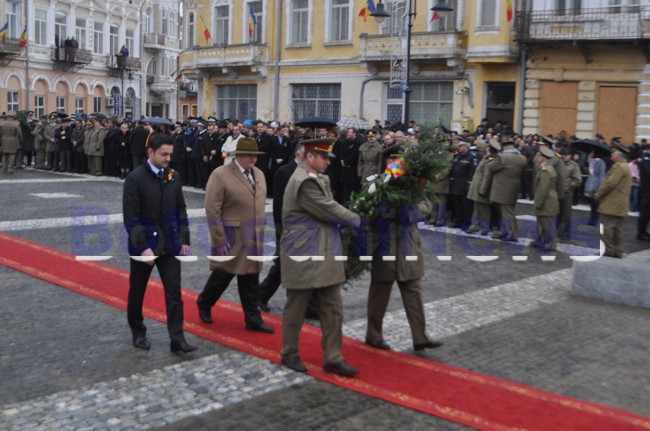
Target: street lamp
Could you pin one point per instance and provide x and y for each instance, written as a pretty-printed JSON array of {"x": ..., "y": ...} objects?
[{"x": 380, "y": 14}]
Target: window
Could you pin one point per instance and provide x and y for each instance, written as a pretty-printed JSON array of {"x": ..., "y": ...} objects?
[
  {"x": 258, "y": 35},
  {"x": 568, "y": 6},
  {"x": 237, "y": 101},
  {"x": 153, "y": 68},
  {"x": 130, "y": 44},
  {"x": 190, "y": 31},
  {"x": 340, "y": 20},
  {"x": 299, "y": 22},
  {"x": 12, "y": 101},
  {"x": 163, "y": 21},
  {"x": 60, "y": 103},
  {"x": 172, "y": 25},
  {"x": 163, "y": 67},
  {"x": 445, "y": 23},
  {"x": 98, "y": 39},
  {"x": 79, "y": 104},
  {"x": 310, "y": 100},
  {"x": 114, "y": 40},
  {"x": 97, "y": 104},
  {"x": 148, "y": 23},
  {"x": 397, "y": 22},
  {"x": 222, "y": 18},
  {"x": 488, "y": 14},
  {"x": 430, "y": 101},
  {"x": 14, "y": 15},
  {"x": 80, "y": 33},
  {"x": 39, "y": 106},
  {"x": 40, "y": 27},
  {"x": 60, "y": 28}
]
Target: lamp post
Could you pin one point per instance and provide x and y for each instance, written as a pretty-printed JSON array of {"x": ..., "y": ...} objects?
[{"x": 380, "y": 14}]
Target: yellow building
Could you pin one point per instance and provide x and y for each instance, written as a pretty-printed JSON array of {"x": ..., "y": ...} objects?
[
  {"x": 588, "y": 68},
  {"x": 309, "y": 57}
]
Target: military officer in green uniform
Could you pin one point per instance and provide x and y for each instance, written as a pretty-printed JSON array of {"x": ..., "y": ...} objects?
[
  {"x": 11, "y": 138},
  {"x": 397, "y": 257},
  {"x": 310, "y": 242},
  {"x": 370, "y": 158},
  {"x": 614, "y": 197},
  {"x": 546, "y": 201}
]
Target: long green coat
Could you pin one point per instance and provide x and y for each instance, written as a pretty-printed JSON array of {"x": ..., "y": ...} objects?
[
  {"x": 310, "y": 220},
  {"x": 506, "y": 171},
  {"x": 11, "y": 136},
  {"x": 614, "y": 193},
  {"x": 479, "y": 183},
  {"x": 545, "y": 191}
]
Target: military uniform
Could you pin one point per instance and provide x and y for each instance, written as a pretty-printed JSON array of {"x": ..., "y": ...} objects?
[
  {"x": 370, "y": 160},
  {"x": 40, "y": 144},
  {"x": 310, "y": 218},
  {"x": 614, "y": 197},
  {"x": 11, "y": 139},
  {"x": 479, "y": 192},
  {"x": 505, "y": 172},
  {"x": 546, "y": 206}
]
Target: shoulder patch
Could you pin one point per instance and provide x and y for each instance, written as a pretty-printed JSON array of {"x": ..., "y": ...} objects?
[{"x": 312, "y": 174}]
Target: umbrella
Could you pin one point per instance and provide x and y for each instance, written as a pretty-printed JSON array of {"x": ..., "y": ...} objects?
[
  {"x": 155, "y": 121},
  {"x": 316, "y": 122},
  {"x": 354, "y": 123},
  {"x": 588, "y": 145},
  {"x": 98, "y": 115},
  {"x": 58, "y": 114}
]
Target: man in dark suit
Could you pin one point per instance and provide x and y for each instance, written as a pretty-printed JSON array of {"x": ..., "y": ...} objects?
[
  {"x": 265, "y": 145},
  {"x": 156, "y": 220}
]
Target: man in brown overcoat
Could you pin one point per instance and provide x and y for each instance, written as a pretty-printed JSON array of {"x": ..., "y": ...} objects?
[
  {"x": 234, "y": 205},
  {"x": 546, "y": 201},
  {"x": 11, "y": 138},
  {"x": 310, "y": 243}
]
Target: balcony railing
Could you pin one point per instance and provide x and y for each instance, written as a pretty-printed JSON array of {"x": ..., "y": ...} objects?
[
  {"x": 155, "y": 40},
  {"x": 224, "y": 56},
  {"x": 425, "y": 45},
  {"x": 72, "y": 55},
  {"x": 122, "y": 62},
  {"x": 610, "y": 23},
  {"x": 10, "y": 48}
]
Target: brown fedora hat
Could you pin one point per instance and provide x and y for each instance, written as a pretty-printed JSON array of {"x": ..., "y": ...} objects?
[{"x": 247, "y": 146}]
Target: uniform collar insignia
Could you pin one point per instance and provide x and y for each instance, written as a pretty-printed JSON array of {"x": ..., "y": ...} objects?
[{"x": 312, "y": 174}]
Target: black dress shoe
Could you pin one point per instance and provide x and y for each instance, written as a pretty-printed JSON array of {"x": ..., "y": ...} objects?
[
  {"x": 141, "y": 342},
  {"x": 295, "y": 363},
  {"x": 427, "y": 345},
  {"x": 262, "y": 327},
  {"x": 205, "y": 316},
  {"x": 381, "y": 344},
  {"x": 341, "y": 368},
  {"x": 182, "y": 347}
]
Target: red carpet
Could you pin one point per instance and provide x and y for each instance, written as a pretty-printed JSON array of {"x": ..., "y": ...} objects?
[{"x": 462, "y": 396}]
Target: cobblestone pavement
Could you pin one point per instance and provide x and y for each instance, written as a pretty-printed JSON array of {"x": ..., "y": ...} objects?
[{"x": 66, "y": 361}]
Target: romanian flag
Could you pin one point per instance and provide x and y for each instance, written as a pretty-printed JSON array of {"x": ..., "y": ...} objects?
[
  {"x": 23, "y": 38},
  {"x": 435, "y": 16},
  {"x": 252, "y": 22},
  {"x": 509, "y": 10},
  {"x": 3, "y": 31},
  {"x": 367, "y": 9},
  {"x": 206, "y": 32}
]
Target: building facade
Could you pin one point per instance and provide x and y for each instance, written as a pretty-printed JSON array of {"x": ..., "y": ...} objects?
[
  {"x": 286, "y": 59},
  {"x": 53, "y": 73},
  {"x": 587, "y": 67}
]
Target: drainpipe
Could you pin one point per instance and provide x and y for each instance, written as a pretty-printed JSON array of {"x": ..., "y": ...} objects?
[{"x": 278, "y": 53}]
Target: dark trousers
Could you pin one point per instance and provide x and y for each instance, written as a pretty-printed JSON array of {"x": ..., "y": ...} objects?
[
  {"x": 463, "y": 208},
  {"x": 169, "y": 269},
  {"x": 246, "y": 283},
  {"x": 199, "y": 171},
  {"x": 564, "y": 217},
  {"x": 644, "y": 214},
  {"x": 66, "y": 161}
]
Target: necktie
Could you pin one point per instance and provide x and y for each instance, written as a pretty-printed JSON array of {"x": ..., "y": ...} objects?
[
  {"x": 249, "y": 177},
  {"x": 161, "y": 175}
]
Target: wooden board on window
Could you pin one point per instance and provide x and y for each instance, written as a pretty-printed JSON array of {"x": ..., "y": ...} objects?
[
  {"x": 617, "y": 113},
  {"x": 558, "y": 105}
]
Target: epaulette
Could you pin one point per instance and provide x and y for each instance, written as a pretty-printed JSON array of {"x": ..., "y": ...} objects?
[
  {"x": 543, "y": 168},
  {"x": 312, "y": 174}
]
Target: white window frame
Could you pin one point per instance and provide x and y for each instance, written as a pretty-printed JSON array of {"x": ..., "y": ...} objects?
[
  {"x": 173, "y": 26},
  {"x": 60, "y": 104},
  {"x": 98, "y": 38},
  {"x": 330, "y": 8},
  {"x": 191, "y": 30},
  {"x": 114, "y": 39},
  {"x": 163, "y": 21},
  {"x": 318, "y": 100},
  {"x": 39, "y": 106},
  {"x": 80, "y": 32},
  {"x": 14, "y": 18},
  {"x": 97, "y": 104},
  {"x": 40, "y": 27},
  {"x": 61, "y": 27},
  {"x": 259, "y": 36},
  {"x": 221, "y": 100},
  {"x": 130, "y": 40},
  {"x": 79, "y": 105},
  {"x": 289, "y": 19},
  {"x": 13, "y": 101},
  {"x": 221, "y": 24},
  {"x": 488, "y": 28}
]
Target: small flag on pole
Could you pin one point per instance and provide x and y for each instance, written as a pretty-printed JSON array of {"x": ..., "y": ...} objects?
[
  {"x": 435, "y": 16},
  {"x": 23, "y": 38},
  {"x": 3, "y": 31},
  {"x": 367, "y": 9},
  {"x": 206, "y": 32},
  {"x": 252, "y": 22},
  {"x": 509, "y": 10}
]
